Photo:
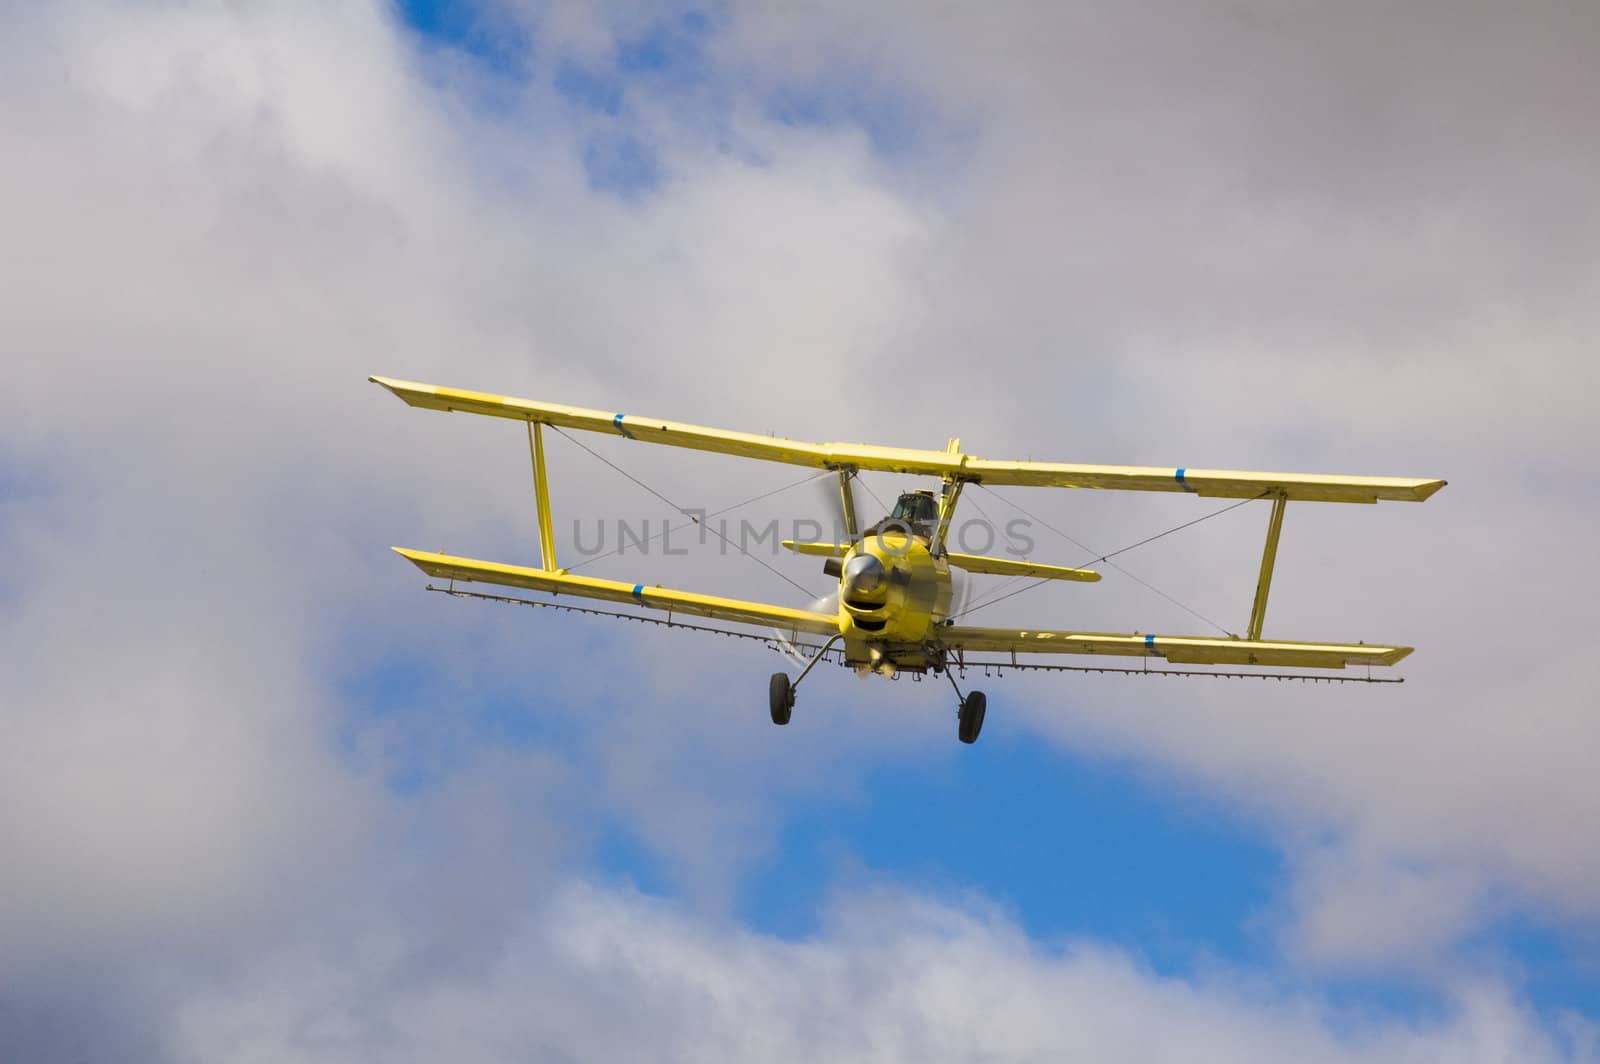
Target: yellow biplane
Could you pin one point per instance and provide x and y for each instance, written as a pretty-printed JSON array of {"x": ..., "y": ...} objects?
[{"x": 894, "y": 604}]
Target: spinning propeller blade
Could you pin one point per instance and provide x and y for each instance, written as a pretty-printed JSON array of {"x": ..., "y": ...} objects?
[
  {"x": 839, "y": 503},
  {"x": 828, "y": 603},
  {"x": 960, "y": 591}
]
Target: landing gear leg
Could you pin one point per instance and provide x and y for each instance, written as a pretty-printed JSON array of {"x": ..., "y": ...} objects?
[
  {"x": 780, "y": 692},
  {"x": 969, "y": 714}
]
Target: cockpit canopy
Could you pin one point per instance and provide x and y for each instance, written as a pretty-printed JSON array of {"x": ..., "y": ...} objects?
[{"x": 919, "y": 510}]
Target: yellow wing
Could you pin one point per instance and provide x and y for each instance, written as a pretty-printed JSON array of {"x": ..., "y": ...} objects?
[
  {"x": 977, "y": 563},
  {"x": 1210, "y": 482},
  {"x": 449, "y": 567},
  {"x": 1185, "y": 650}
]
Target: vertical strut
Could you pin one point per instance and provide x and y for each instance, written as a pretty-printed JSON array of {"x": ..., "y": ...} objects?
[
  {"x": 947, "y": 510},
  {"x": 948, "y": 497},
  {"x": 848, "y": 502},
  {"x": 541, "y": 494},
  {"x": 1258, "y": 609}
]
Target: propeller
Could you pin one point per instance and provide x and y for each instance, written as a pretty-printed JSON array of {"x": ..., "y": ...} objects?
[
  {"x": 960, "y": 591},
  {"x": 828, "y": 604},
  {"x": 844, "y": 518},
  {"x": 838, "y": 503}
]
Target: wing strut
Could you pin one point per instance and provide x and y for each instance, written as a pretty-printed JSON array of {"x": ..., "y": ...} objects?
[
  {"x": 948, "y": 497},
  {"x": 847, "y": 504},
  {"x": 1269, "y": 556},
  {"x": 541, "y": 495}
]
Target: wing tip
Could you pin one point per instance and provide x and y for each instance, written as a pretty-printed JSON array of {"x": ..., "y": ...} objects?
[{"x": 409, "y": 392}]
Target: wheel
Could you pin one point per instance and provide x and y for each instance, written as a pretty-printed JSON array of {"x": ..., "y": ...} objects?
[
  {"x": 971, "y": 716},
  {"x": 780, "y": 698}
]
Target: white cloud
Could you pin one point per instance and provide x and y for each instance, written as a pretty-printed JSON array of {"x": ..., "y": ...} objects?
[{"x": 600, "y": 974}]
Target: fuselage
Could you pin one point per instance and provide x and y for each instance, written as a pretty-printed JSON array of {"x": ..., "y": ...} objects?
[{"x": 893, "y": 593}]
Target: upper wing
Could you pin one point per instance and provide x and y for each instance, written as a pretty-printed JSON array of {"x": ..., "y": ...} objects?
[
  {"x": 1212, "y": 482},
  {"x": 449, "y": 567},
  {"x": 1217, "y": 483},
  {"x": 1185, "y": 650}
]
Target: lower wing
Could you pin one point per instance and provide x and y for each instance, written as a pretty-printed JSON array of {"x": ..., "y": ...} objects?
[
  {"x": 737, "y": 611},
  {"x": 1179, "y": 649}
]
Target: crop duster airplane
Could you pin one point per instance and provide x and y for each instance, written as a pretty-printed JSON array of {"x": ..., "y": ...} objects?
[{"x": 894, "y": 610}]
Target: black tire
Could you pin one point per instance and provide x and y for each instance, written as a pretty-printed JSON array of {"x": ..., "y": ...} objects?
[
  {"x": 971, "y": 716},
  {"x": 780, "y": 698}
]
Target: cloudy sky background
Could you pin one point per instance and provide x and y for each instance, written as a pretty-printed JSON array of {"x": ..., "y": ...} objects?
[{"x": 263, "y": 798}]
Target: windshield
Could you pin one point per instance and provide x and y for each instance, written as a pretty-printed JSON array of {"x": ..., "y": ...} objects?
[{"x": 916, "y": 509}]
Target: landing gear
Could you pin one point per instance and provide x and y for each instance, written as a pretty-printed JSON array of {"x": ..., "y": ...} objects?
[
  {"x": 780, "y": 692},
  {"x": 969, "y": 717},
  {"x": 780, "y": 696}
]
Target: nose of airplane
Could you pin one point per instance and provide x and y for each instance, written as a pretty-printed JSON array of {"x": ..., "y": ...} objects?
[{"x": 863, "y": 574}]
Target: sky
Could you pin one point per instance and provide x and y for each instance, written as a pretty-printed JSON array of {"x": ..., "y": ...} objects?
[{"x": 265, "y": 798}]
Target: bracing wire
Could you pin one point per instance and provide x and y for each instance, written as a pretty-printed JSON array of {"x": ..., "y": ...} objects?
[
  {"x": 1106, "y": 558},
  {"x": 882, "y": 506},
  {"x": 686, "y": 513},
  {"x": 695, "y": 520}
]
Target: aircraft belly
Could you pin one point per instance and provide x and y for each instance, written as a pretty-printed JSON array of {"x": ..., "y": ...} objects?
[{"x": 899, "y": 657}]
